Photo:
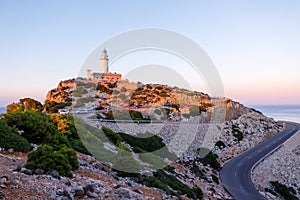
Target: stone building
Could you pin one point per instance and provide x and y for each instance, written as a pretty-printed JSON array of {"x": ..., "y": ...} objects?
[{"x": 104, "y": 76}]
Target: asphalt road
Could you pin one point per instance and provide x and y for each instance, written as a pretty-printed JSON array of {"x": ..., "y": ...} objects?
[{"x": 236, "y": 173}]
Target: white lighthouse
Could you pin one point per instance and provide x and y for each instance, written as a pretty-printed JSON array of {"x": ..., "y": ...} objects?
[{"x": 104, "y": 62}]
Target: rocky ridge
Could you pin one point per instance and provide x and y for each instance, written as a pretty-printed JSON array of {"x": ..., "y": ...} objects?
[{"x": 243, "y": 129}]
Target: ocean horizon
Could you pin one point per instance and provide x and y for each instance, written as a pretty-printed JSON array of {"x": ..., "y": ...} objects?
[
  {"x": 280, "y": 112},
  {"x": 2, "y": 110}
]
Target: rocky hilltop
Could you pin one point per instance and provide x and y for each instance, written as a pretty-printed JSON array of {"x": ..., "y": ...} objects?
[
  {"x": 166, "y": 113},
  {"x": 181, "y": 103}
]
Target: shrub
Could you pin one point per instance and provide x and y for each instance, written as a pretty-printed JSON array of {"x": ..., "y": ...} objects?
[
  {"x": 194, "y": 111},
  {"x": 79, "y": 91},
  {"x": 151, "y": 181},
  {"x": 45, "y": 157},
  {"x": 112, "y": 136},
  {"x": 173, "y": 105},
  {"x": 10, "y": 139},
  {"x": 177, "y": 185},
  {"x": 104, "y": 89},
  {"x": 237, "y": 133},
  {"x": 215, "y": 178},
  {"x": 198, "y": 193},
  {"x": 220, "y": 144},
  {"x": 77, "y": 145},
  {"x": 90, "y": 85},
  {"x": 286, "y": 192},
  {"x": 210, "y": 159},
  {"x": 147, "y": 142},
  {"x": 80, "y": 84},
  {"x": 157, "y": 111},
  {"x": 53, "y": 107},
  {"x": 135, "y": 115},
  {"x": 36, "y": 125}
]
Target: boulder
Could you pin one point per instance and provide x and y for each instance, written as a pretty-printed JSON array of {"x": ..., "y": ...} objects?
[
  {"x": 91, "y": 194},
  {"x": 54, "y": 174},
  {"x": 39, "y": 171},
  {"x": 90, "y": 188},
  {"x": 123, "y": 192},
  {"x": 79, "y": 191},
  {"x": 26, "y": 171}
]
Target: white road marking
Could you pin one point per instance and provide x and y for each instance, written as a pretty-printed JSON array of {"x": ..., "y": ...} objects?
[{"x": 242, "y": 188}]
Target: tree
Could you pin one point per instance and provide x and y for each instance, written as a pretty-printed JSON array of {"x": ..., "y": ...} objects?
[
  {"x": 11, "y": 140},
  {"x": 35, "y": 125},
  {"x": 25, "y": 103}
]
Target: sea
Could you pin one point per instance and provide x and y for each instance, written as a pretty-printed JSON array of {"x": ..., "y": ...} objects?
[
  {"x": 2, "y": 110},
  {"x": 280, "y": 112}
]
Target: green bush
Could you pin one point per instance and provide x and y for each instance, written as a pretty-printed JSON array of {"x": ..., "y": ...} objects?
[
  {"x": 215, "y": 178},
  {"x": 111, "y": 135},
  {"x": 53, "y": 107},
  {"x": 147, "y": 142},
  {"x": 151, "y": 181},
  {"x": 157, "y": 111},
  {"x": 198, "y": 193},
  {"x": 10, "y": 139},
  {"x": 80, "y": 84},
  {"x": 220, "y": 144},
  {"x": 237, "y": 133},
  {"x": 45, "y": 157},
  {"x": 115, "y": 138},
  {"x": 90, "y": 85},
  {"x": 177, "y": 185},
  {"x": 104, "y": 89},
  {"x": 36, "y": 125},
  {"x": 77, "y": 145},
  {"x": 195, "y": 111},
  {"x": 166, "y": 182},
  {"x": 210, "y": 159},
  {"x": 286, "y": 192},
  {"x": 135, "y": 114},
  {"x": 79, "y": 91},
  {"x": 173, "y": 105}
]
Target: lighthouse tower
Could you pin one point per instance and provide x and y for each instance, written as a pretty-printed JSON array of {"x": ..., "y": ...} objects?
[{"x": 104, "y": 62}]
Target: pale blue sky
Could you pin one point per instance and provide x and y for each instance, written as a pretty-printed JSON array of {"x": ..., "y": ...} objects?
[{"x": 255, "y": 44}]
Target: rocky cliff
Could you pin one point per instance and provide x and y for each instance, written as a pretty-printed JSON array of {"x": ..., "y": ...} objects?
[{"x": 242, "y": 129}]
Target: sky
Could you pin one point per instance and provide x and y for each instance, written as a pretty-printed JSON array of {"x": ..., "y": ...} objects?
[{"x": 255, "y": 45}]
